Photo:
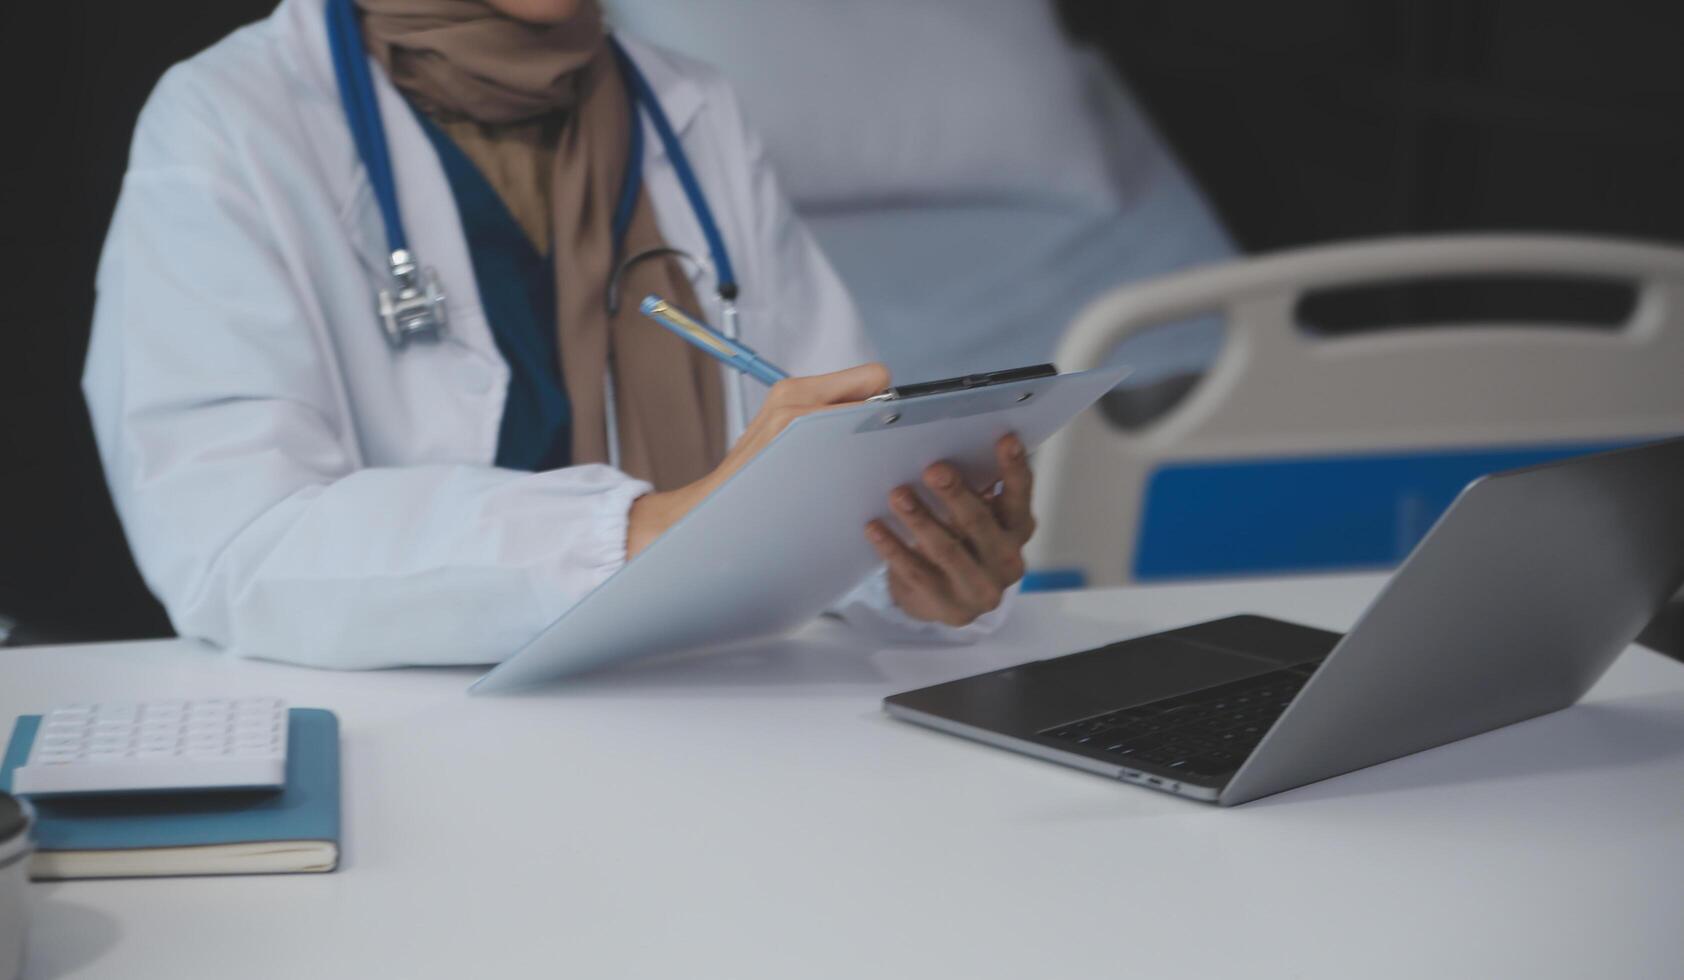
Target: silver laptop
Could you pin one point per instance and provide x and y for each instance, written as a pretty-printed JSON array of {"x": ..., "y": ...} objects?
[{"x": 1513, "y": 605}]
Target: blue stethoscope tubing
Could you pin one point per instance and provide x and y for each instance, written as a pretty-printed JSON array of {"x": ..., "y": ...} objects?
[
  {"x": 362, "y": 113},
  {"x": 643, "y": 97}
]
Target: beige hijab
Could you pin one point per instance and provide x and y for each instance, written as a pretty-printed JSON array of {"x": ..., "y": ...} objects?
[{"x": 543, "y": 112}]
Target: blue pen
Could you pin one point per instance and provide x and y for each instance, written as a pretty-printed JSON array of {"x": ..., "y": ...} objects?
[{"x": 710, "y": 340}]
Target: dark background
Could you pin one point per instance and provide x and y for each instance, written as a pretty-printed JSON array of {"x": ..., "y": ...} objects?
[
  {"x": 1305, "y": 121},
  {"x": 1314, "y": 120}
]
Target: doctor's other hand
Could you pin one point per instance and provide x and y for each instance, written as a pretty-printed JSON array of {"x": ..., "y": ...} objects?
[
  {"x": 788, "y": 400},
  {"x": 953, "y": 567}
]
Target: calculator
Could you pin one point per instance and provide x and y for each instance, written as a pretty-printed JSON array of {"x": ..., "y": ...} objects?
[{"x": 157, "y": 746}]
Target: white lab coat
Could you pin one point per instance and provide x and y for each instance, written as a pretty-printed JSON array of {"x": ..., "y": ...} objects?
[{"x": 291, "y": 487}]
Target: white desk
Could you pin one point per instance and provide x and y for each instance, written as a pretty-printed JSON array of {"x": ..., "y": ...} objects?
[{"x": 757, "y": 816}]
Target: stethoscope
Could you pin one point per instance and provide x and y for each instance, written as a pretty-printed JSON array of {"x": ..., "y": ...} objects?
[{"x": 412, "y": 306}]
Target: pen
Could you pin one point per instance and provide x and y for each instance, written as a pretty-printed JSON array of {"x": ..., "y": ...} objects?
[{"x": 710, "y": 340}]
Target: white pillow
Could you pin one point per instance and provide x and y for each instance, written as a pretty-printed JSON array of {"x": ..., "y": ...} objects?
[{"x": 885, "y": 101}]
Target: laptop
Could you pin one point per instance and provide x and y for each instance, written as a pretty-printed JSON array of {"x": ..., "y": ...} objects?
[{"x": 1512, "y": 606}]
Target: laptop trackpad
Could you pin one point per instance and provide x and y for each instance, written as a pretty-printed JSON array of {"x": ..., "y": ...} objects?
[{"x": 1026, "y": 699}]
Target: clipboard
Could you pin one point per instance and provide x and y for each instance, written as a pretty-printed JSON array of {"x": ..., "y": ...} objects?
[{"x": 784, "y": 539}]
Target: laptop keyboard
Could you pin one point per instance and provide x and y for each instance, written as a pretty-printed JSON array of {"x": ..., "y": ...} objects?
[{"x": 1205, "y": 733}]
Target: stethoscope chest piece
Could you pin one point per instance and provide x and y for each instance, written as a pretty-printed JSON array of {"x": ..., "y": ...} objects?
[{"x": 412, "y": 308}]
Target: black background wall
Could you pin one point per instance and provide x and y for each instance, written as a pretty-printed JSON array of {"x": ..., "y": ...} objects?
[
  {"x": 1305, "y": 121},
  {"x": 1314, "y": 120}
]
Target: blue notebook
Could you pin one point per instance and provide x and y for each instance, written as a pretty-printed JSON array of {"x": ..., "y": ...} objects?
[{"x": 295, "y": 829}]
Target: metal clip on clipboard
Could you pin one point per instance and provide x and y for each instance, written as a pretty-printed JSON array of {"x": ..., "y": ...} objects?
[{"x": 965, "y": 382}]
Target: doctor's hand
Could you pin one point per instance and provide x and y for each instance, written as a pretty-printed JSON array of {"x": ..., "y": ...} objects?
[
  {"x": 955, "y": 566},
  {"x": 652, "y": 513}
]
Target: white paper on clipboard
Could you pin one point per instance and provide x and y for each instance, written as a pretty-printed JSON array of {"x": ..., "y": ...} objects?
[{"x": 784, "y": 539}]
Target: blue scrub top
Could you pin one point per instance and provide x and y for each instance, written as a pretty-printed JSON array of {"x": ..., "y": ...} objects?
[{"x": 517, "y": 289}]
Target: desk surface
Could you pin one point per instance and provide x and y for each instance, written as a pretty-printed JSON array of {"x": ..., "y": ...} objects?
[{"x": 756, "y": 815}]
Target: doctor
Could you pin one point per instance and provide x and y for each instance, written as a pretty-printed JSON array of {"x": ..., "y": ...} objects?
[{"x": 308, "y": 473}]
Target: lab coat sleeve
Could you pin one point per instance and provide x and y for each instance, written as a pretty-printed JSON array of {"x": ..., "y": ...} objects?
[
  {"x": 821, "y": 331},
  {"x": 234, "y": 465}
]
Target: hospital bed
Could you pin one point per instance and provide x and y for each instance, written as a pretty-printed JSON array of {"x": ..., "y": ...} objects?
[
  {"x": 975, "y": 178},
  {"x": 1301, "y": 451}
]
